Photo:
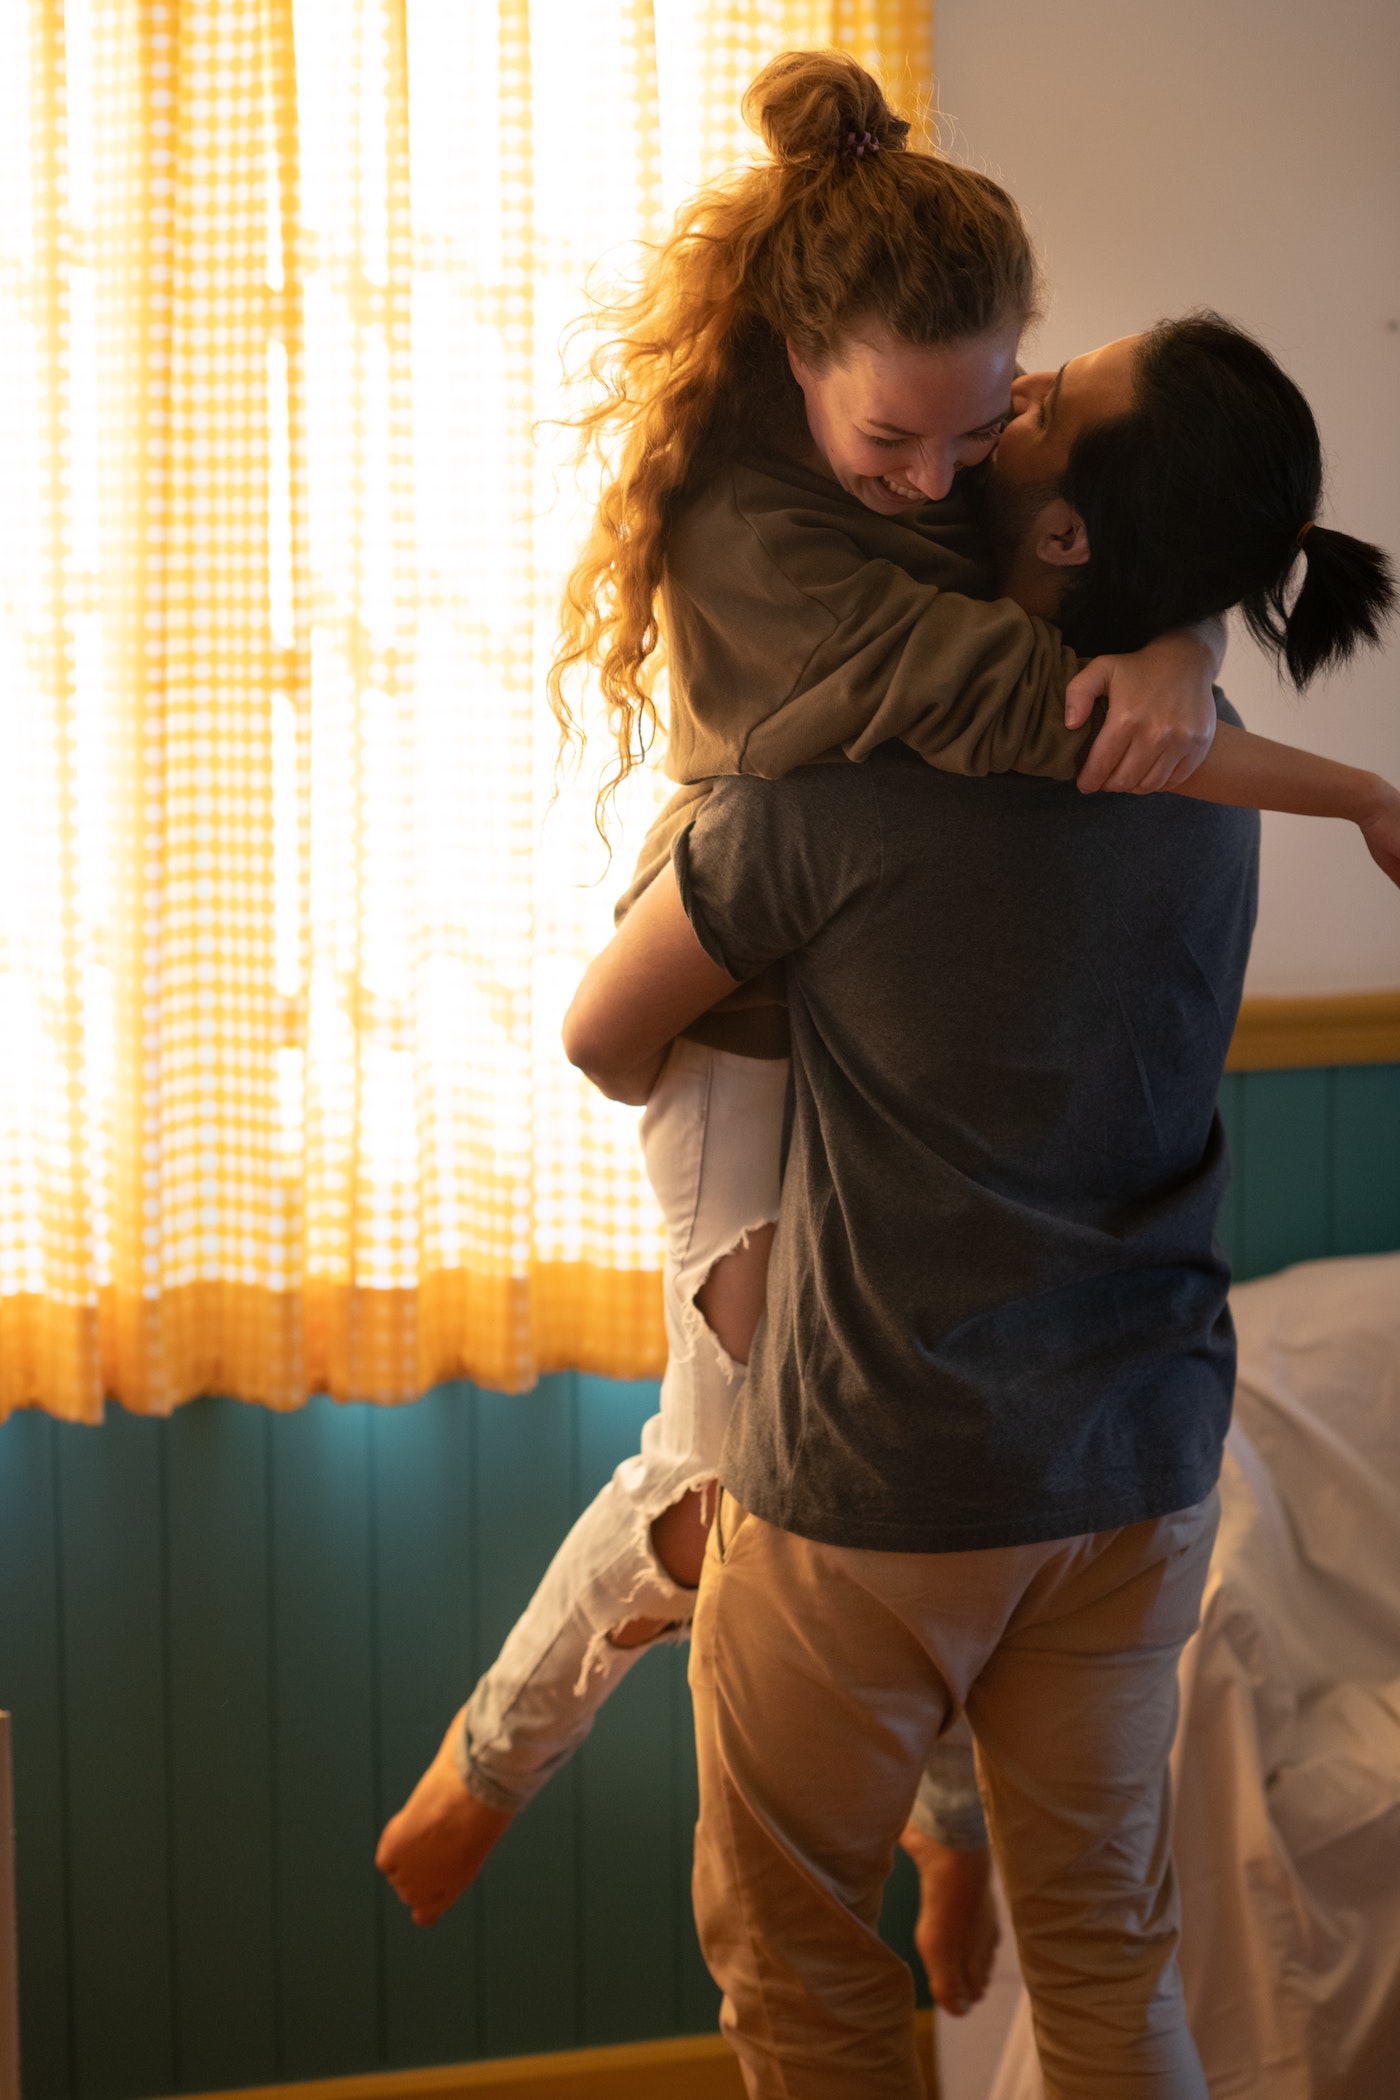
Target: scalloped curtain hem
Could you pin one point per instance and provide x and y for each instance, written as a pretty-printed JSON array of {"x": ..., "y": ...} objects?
[{"x": 277, "y": 1349}]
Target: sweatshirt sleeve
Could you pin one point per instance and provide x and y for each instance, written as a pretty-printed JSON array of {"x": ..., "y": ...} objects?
[{"x": 791, "y": 642}]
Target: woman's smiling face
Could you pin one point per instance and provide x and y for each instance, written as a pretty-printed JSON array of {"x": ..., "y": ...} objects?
[{"x": 895, "y": 421}]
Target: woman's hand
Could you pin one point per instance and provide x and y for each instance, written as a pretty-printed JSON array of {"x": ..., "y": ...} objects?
[{"x": 1161, "y": 711}]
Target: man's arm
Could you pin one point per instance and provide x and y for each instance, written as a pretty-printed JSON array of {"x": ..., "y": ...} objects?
[
  {"x": 1253, "y": 772},
  {"x": 651, "y": 980}
]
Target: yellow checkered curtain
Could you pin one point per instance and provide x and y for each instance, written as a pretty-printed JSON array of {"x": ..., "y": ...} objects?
[{"x": 289, "y": 907}]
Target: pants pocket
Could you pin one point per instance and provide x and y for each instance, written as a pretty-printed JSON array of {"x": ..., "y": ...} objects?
[{"x": 730, "y": 1518}]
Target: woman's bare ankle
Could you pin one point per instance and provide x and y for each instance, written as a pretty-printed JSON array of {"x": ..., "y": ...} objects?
[{"x": 958, "y": 1929}]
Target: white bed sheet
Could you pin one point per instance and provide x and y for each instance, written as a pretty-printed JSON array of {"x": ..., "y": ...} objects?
[{"x": 1287, "y": 1762}]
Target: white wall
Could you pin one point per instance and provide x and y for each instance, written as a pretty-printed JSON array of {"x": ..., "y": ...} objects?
[{"x": 1242, "y": 154}]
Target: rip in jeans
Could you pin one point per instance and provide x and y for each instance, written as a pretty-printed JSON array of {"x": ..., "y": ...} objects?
[{"x": 651, "y": 1570}]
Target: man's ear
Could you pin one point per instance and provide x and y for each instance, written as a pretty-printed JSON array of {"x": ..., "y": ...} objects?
[{"x": 1060, "y": 538}]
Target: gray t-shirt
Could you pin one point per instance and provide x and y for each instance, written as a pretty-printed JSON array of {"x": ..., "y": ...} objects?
[{"x": 996, "y": 1305}]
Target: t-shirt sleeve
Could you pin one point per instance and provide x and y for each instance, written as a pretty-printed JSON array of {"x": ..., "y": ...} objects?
[{"x": 769, "y": 865}]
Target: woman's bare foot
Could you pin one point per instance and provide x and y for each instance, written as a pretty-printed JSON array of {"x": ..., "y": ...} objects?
[
  {"x": 437, "y": 1844},
  {"x": 957, "y": 1932}
]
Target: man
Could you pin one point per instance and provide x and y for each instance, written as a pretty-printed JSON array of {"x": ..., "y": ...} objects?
[{"x": 974, "y": 1464}]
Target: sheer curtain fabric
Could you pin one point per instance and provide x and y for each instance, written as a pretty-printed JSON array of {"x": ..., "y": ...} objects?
[{"x": 289, "y": 909}]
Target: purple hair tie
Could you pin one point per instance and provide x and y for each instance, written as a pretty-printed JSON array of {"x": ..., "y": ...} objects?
[{"x": 859, "y": 143}]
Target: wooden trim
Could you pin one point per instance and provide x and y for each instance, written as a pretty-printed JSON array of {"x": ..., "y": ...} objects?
[
  {"x": 1347, "y": 1028},
  {"x": 692, "y": 2067}
]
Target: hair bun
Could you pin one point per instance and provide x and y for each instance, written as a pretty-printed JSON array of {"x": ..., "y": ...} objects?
[{"x": 806, "y": 105}]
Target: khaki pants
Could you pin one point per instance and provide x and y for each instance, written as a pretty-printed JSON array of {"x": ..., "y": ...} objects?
[{"x": 822, "y": 1675}]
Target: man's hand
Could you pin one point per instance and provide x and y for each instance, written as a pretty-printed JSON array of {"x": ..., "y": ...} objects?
[
  {"x": 1161, "y": 712},
  {"x": 649, "y": 983},
  {"x": 1253, "y": 772},
  {"x": 630, "y": 1084}
]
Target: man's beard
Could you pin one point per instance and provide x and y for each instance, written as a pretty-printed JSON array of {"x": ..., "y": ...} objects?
[{"x": 1006, "y": 511}]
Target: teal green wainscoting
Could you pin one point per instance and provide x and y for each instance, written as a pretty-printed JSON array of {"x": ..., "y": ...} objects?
[{"x": 230, "y": 1641}]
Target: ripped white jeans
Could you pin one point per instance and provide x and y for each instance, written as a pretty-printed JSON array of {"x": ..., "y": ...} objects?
[{"x": 712, "y": 1139}]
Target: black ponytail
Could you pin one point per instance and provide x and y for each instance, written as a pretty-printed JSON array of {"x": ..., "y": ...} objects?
[
  {"x": 1198, "y": 498},
  {"x": 1348, "y": 589}
]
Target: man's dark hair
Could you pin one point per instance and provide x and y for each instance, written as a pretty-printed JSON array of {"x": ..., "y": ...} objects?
[{"x": 1195, "y": 499}]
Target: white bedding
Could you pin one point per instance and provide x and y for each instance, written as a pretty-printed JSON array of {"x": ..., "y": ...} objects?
[{"x": 1287, "y": 1761}]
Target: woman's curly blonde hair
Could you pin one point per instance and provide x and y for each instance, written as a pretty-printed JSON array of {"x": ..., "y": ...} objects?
[{"x": 841, "y": 225}]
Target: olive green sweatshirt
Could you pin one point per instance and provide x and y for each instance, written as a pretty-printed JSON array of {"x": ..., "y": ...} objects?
[{"x": 801, "y": 626}]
